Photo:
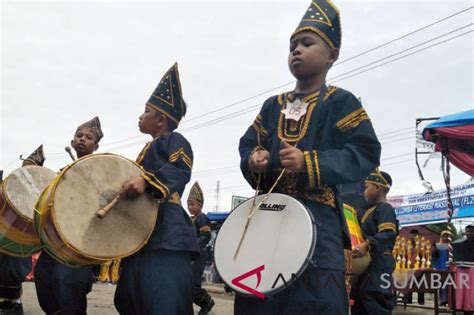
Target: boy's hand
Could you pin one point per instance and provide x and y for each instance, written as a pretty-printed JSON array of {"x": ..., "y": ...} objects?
[
  {"x": 360, "y": 250},
  {"x": 291, "y": 157},
  {"x": 133, "y": 188},
  {"x": 259, "y": 161}
]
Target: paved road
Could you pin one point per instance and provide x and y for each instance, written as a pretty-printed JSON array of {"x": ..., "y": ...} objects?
[{"x": 100, "y": 302}]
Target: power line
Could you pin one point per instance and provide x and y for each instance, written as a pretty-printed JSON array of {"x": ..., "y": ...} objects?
[
  {"x": 397, "y": 135},
  {"x": 341, "y": 62},
  {"x": 254, "y": 107},
  {"x": 249, "y": 109},
  {"x": 397, "y": 156},
  {"x": 399, "y": 162},
  {"x": 396, "y": 131},
  {"x": 405, "y": 50},
  {"x": 407, "y": 34},
  {"x": 398, "y": 140},
  {"x": 225, "y": 117},
  {"x": 336, "y": 64},
  {"x": 402, "y": 57}
]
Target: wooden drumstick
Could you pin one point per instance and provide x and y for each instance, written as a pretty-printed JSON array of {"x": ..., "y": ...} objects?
[
  {"x": 68, "y": 150},
  {"x": 254, "y": 209},
  {"x": 101, "y": 213}
]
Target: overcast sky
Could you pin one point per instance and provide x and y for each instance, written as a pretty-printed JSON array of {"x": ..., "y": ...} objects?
[{"x": 63, "y": 63}]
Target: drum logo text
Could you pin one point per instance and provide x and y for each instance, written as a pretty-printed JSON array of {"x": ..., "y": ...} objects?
[{"x": 272, "y": 207}]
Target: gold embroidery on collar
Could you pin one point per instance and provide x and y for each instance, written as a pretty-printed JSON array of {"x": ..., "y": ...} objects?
[
  {"x": 141, "y": 156},
  {"x": 367, "y": 213},
  {"x": 303, "y": 123}
]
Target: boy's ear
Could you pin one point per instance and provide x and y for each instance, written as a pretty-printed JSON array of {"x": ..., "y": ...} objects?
[
  {"x": 161, "y": 120},
  {"x": 333, "y": 55},
  {"x": 96, "y": 147},
  {"x": 379, "y": 188},
  {"x": 72, "y": 143}
]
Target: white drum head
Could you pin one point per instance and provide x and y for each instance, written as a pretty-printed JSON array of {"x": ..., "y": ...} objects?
[
  {"x": 24, "y": 186},
  {"x": 89, "y": 185},
  {"x": 279, "y": 243}
]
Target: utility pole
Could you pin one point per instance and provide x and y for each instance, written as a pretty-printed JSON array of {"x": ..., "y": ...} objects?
[{"x": 217, "y": 196}]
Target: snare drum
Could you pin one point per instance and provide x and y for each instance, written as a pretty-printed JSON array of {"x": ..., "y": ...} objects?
[
  {"x": 277, "y": 248},
  {"x": 18, "y": 195},
  {"x": 66, "y": 220}
]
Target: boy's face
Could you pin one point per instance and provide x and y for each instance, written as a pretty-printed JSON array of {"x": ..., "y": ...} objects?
[
  {"x": 470, "y": 233},
  {"x": 310, "y": 55},
  {"x": 84, "y": 142},
  {"x": 445, "y": 238},
  {"x": 371, "y": 192},
  {"x": 194, "y": 207},
  {"x": 151, "y": 121}
]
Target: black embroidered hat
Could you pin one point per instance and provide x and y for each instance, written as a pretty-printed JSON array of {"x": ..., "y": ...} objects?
[
  {"x": 322, "y": 18},
  {"x": 168, "y": 96},
  {"x": 379, "y": 178},
  {"x": 94, "y": 126},
  {"x": 37, "y": 157},
  {"x": 196, "y": 193}
]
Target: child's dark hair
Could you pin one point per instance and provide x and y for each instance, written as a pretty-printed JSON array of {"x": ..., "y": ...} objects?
[{"x": 171, "y": 124}]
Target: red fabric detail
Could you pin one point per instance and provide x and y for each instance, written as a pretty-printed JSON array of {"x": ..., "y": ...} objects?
[
  {"x": 463, "y": 160},
  {"x": 458, "y": 132},
  {"x": 460, "y": 142}
]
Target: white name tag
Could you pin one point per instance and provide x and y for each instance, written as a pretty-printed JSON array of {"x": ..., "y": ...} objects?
[{"x": 295, "y": 110}]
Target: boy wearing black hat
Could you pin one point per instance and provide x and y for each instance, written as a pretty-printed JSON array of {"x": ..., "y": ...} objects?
[
  {"x": 203, "y": 231},
  {"x": 62, "y": 289},
  {"x": 159, "y": 278},
  {"x": 15, "y": 269},
  {"x": 322, "y": 137},
  {"x": 371, "y": 293}
]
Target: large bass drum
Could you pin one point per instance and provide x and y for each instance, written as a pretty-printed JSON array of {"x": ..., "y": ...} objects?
[
  {"x": 18, "y": 195},
  {"x": 277, "y": 247},
  {"x": 67, "y": 223}
]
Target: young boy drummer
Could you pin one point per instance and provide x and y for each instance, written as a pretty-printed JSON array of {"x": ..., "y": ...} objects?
[
  {"x": 203, "y": 232},
  {"x": 323, "y": 137},
  {"x": 13, "y": 270},
  {"x": 62, "y": 289},
  {"x": 159, "y": 278},
  {"x": 379, "y": 225}
]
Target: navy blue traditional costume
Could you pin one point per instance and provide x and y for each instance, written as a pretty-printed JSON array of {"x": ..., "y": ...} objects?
[
  {"x": 159, "y": 278},
  {"x": 203, "y": 231},
  {"x": 339, "y": 146},
  {"x": 372, "y": 293},
  {"x": 13, "y": 270},
  {"x": 62, "y": 289}
]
